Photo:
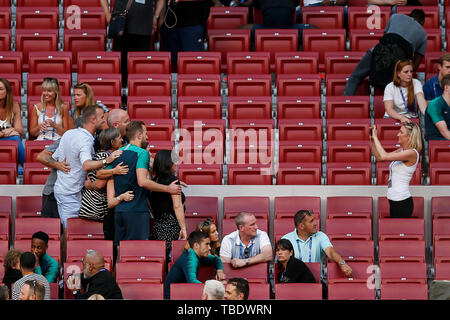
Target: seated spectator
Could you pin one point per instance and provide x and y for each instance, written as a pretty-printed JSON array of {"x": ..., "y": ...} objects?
[
  {"x": 45, "y": 265},
  {"x": 11, "y": 127},
  {"x": 432, "y": 88},
  {"x": 32, "y": 290},
  {"x": 291, "y": 269},
  {"x": 27, "y": 264},
  {"x": 185, "y": 269},
  {"x": 209, "y": 227},
  {"x": 4, "y": 292},
  {"x": 247, "y": 245},
  {"x": 404, "y": 95},
  {"x": 237, "y": 289},
  {"x": 310, "y": 244},
  {"x": 94, "y": 279},
  {"x": 83, "y": 96},
  {"x": 213, "y": 290},
  {"x": 437, "y": 115},
  {"x": 49, "y": 119},
  {"x": 11, "y": 265}
]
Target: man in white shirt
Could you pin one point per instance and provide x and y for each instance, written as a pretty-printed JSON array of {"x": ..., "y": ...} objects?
[
  {"x": 77, "y": 149},
  {"x": 247, "y": 245}
]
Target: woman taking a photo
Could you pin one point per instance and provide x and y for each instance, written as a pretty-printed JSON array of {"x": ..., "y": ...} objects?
[{"x": 403, "y": 165}]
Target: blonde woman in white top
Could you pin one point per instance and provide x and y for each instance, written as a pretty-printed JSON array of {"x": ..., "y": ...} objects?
[
  {"x": 49, "y": 118},
  {"x": 403, "y": 97},
  {"x": 403, "y": 165}
]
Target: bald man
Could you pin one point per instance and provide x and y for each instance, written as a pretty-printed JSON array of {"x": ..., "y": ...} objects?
[
  {"x": 94, "y": 279},
  {"x": 118, "y": 118}
]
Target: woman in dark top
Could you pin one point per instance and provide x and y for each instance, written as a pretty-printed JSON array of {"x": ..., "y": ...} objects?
[
  {"x": 11, "y": 264},
  {"x": 168, "y": 210},
  {"x": 291, "y": 269}
]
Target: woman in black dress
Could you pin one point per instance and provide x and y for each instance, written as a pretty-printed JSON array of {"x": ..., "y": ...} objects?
[
  {"x": 168, "y": 210},
  {"x": 291, "y": 269}
]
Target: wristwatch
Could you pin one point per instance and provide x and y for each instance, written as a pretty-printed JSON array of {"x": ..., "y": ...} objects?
[
  {"x": 247, "y": 261},
  {"x": 104, "y": 161},
  {"x": 341, "y": 263},
  {"x": 75, "y": 292},
  {"x": 118, "y": 199}
]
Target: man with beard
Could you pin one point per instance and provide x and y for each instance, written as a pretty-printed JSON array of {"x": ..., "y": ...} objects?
[
  {"x": 95, "y": 279},
  {"x": 127, "y": 193},
  {"x": 76, "y": 148}
]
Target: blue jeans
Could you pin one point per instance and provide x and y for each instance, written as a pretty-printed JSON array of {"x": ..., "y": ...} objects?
[
  {"x": 182, "y": 39},
  {"x": 20, "y": 148}
]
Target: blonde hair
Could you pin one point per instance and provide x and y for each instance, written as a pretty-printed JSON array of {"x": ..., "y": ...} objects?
[
  {"x": 51, "y": 84},
  {"x": 396, "y": 80},
  {"x": 9, "y": 99},
  {"x": 415, "y": 136},
  {"x": 87, "y": 89}
]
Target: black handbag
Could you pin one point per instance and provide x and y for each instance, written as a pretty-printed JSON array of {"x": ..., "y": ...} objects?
[{"x": 118, "y": 23}]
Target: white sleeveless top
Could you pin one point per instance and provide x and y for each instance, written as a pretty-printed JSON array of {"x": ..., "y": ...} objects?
[
  {"x": 399, "y": 177},
  {"x": 50, "y": 133}
]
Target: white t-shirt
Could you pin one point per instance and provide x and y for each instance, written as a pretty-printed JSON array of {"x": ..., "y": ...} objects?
[
  {"x": 392, "y": 92},
  {"x": 226, "y": 246}
]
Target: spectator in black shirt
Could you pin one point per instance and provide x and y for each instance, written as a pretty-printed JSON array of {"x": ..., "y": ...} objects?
[{"x": 291, "y": 269}]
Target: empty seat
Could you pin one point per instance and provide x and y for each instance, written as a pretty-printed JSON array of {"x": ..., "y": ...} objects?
[
  {"x": 8, "y": 173},
  {"x": 227, "y": 17},
  {"x": 434, "y": 43},
  {"x": 403, "y": 291},
  {"x": 341, "y": 229},
  {"x": 42, "y": 18},
  {"x": 37, "y": 3},
  {"x": 98, "y": 62},
  {"x": 212, "y": 130},
  {"x": 34, "y": 84},
  {"x": 307, "y": 173},
  {"x": 28, "y": 40},
  {"x": 104, "y": 84},
  {"x": 76, "y": 249},
  {"x": 142, "y": 291},
  {"x": 84, "y": 40},
  {"x": 5, "y": 17},
  {"x": 228, "y": 40},
  {"x": 350, "y": 291},
  {"x": 141, "y": 107},
  {"x": 142, "y": 251},
  {"x": 249, "y": 174},
  {"x": 159, "y": 129},
  {"x": 363, "y": 40},
  {"x": 203, "y": 174},
  {"x": 298, "y": 85},
  {"x": 439, "y": 151},
  {"x": 259, "y": 206},
  {"x": 50, "y": 62},
  {"x": 298, "y": 291},
  {"x": 54, "y": 246},
  {"x": 259, "y": 291},
  {"x": 35, "y": 173},
  {"x": 355, "y": 250},
  {"x": 149, "y": 62},
  {"x": 248, "y": 62},
  {"x": 349, "y": 206},
  {"x": 149, "y": 85},
  {"x": 286, "y": 207},
  {"x": 207, "y": 107},
  {"x": 352, "y": 173},
  {"x": 276, "y": 40},
  {"x": 361, "y": 271},
  {"x": 335, "y": 85},
  {"x": 28, "y": 206},
  {"x": 440, "y": 207},
  {"x": 8, "y": 151},
  {"x": 249, "y": 85},
  {"x": 5, "y": 206},
  {"x": 403, "y": 272},
  {"x": 418, "y": 212},
  {"x": 198, "y": 85},
  {"x": 5, "y": 39},
  {"x": 441, "y": 231},
  {"x": 10, "y": 62},
  {"x": 257, "y": 273},
  {"x": 199, "y": 63},
  {"x": 442, "y": 271},
  {"x": 382, "y": 174},
  {"x": 401, "y": 229},
  {"x": 296, "y": 62},
  {"x": 111, "y": 102},
  {"x": 439, "y": 173},
  {"x": 91, "y": 17},
  {"x": 342, "y": 62},
  {"x": 400, "y": 250},
  {"x": 348, "y": 151},
  {"x": 298, "y": 108},
  {"x": 4, "y": 232},
  {"x": 139, "y": 272},
  {"x": 324, "y": 40},
  {"x": 300, "y": 151},
  {"x": 362, "y": 17},
  {"x": 348, "y": 129},
  {"x": 82, "y": 3},
  {"x": 432, "y": 62},
  {"x": 347, "y": 107},
  {"x": 300, "y": 130},
  {"x": 324, "y": 17},
  {"x": 4, "y": 247},
  {"x": 84, "y": 229},
  {"x": 257, "y": 107},
  {"x": 186, "y": 291}
]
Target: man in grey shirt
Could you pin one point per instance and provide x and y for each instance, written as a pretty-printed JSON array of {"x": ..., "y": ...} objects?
[
  {"x": 407, "y": 35},
  {"x": 27, "y": 264}
]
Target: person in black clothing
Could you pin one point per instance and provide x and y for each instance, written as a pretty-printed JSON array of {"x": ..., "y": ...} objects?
[
  {"x": 291, "y": 269},
  {"x": 168, "y": 210},
  {"x": 11, "y": 264},
  {"x": 94, "y": 279}
]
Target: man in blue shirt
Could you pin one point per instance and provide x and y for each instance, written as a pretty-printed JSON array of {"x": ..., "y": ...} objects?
[
  {"x": 310, "y": 244},
  {"x": 432, "y": 88}
]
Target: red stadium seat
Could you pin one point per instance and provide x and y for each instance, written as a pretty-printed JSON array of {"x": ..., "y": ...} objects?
[
  {"x": 31, "y": 40},
  {"x": 298, "y": 108},
  {"x": 104, "y": 84},
  {"x": 142, "y": 291},
  {"x": 335, "y": 85},
  {"x": 349, "y": 207},
  {"x": 363, "y": 40},
  {"x": 439, "y": 151},
  {"x": 387, "y": 129},
  {"x": 350, "y": 291},
  {"x": 324, "y": 40},
  {"x": 432, "y": 18},
  {"x": 298, "y": 291},
  {"x": 111, "y": 102},
  {"x": 403, "y": 291},
  {"x": 298, "y": 85},
  {"x": 227, "y": 17},
  {"x": 286, "y": 207},
  {"x": 191, "y": 152},
  {"x": 249, "y": 107},
  {"x": 177, "y": 249},
  {"x": 149, "y": 85},
  {"x": 8, "y": 151},
  {"x": 342, "y": 62},
  {"x": 248, "y": 63},
  {"x": 324, "y": 17},
  {"x": 8, "y": 173},
  {"x": 249, "y": 174},
  {"x": 84, "y": 229},
  {"x": 159, "y": 129},
  {"x": 348, "y": 151},
  {"x": 401, "y": 250},
  {"x": 276, "y": 40},
  {"x": 257, "y": 273},
  {"x": 28, "y": 206},
  {"x": 440, "y": 230},
  {"x": 186, "y": 291},
  {"x": 4, "y": 232},
  {"x": 348, "y": 129},
  {"x": 259, "y": 206},
  {"x": 439, "y": 173},
  {"x": 432, "y": 61},
  {"x": 54, "y": 246},
  {"x": 341, "y": 229},
  {"x": 401, "y": 229},
  {"x": 141, "y": 107},
  {"x": 10, "y": 62},
  {"x": 15, "y": 79},
  {"x": 139, "y": 272},
  {"x": 228, "y": 40},
  {"x": 198, "y": 85},
  {"x": 35, "y": 173},
  {"x": 361, "y": 271},
  {"x": 300, "y": 130},
  {"x": 150, "y": 62},
  {"x": 299, "y": 173},
  {"x": 361, "y": 17},
  {"x": 299, "y": 151},
  {"x": 91, "y": 17},
  {"x": 5, "y": 17},
  {"x": 37, "y": 3},
  {"x": 199, "y": 63},
  {"x": 202, "y": 208},
  {"x": 142, "y": 251},
  {"x": 83, "y": 3},
  {"x": 259, "y": 291},
  {"x": 98, "y": 62},
  {"x": 296, "y": 62},
  {"x": 249, "y": 85},
  {"x": 5, "y": 206},
  {"x": 84, "y": 40},
  {"x": 355, "y": 250},
  {"x": 440, "y": 207},
  {"x": 347, "y": 107},
  {"x": 382, "y": 172},
  {"x": 263, "y": 128},
  {"x": 211, "y": 130},
  {"x": 42, "y": 18},
  {"x": 418, "y": 212},
  {"x": 378, "y": 107},
  {"x": 4, "y": 247},
  {"x": 5, "y": 39},
  {"x": 442, "y": 271},
  {"x": 76, "y": 249},
  {"x": 434, "y": 43},
  {"x": 204, "y": 174},
  {"x": 50, "y": 62},
  {"x": 198, "y": 108},
  {"x": 403, "y": 272},
  {"x": 34, "y": 84}
]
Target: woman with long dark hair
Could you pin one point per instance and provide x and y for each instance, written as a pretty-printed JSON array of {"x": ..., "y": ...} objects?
[{"x": 290, "y": 269}]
